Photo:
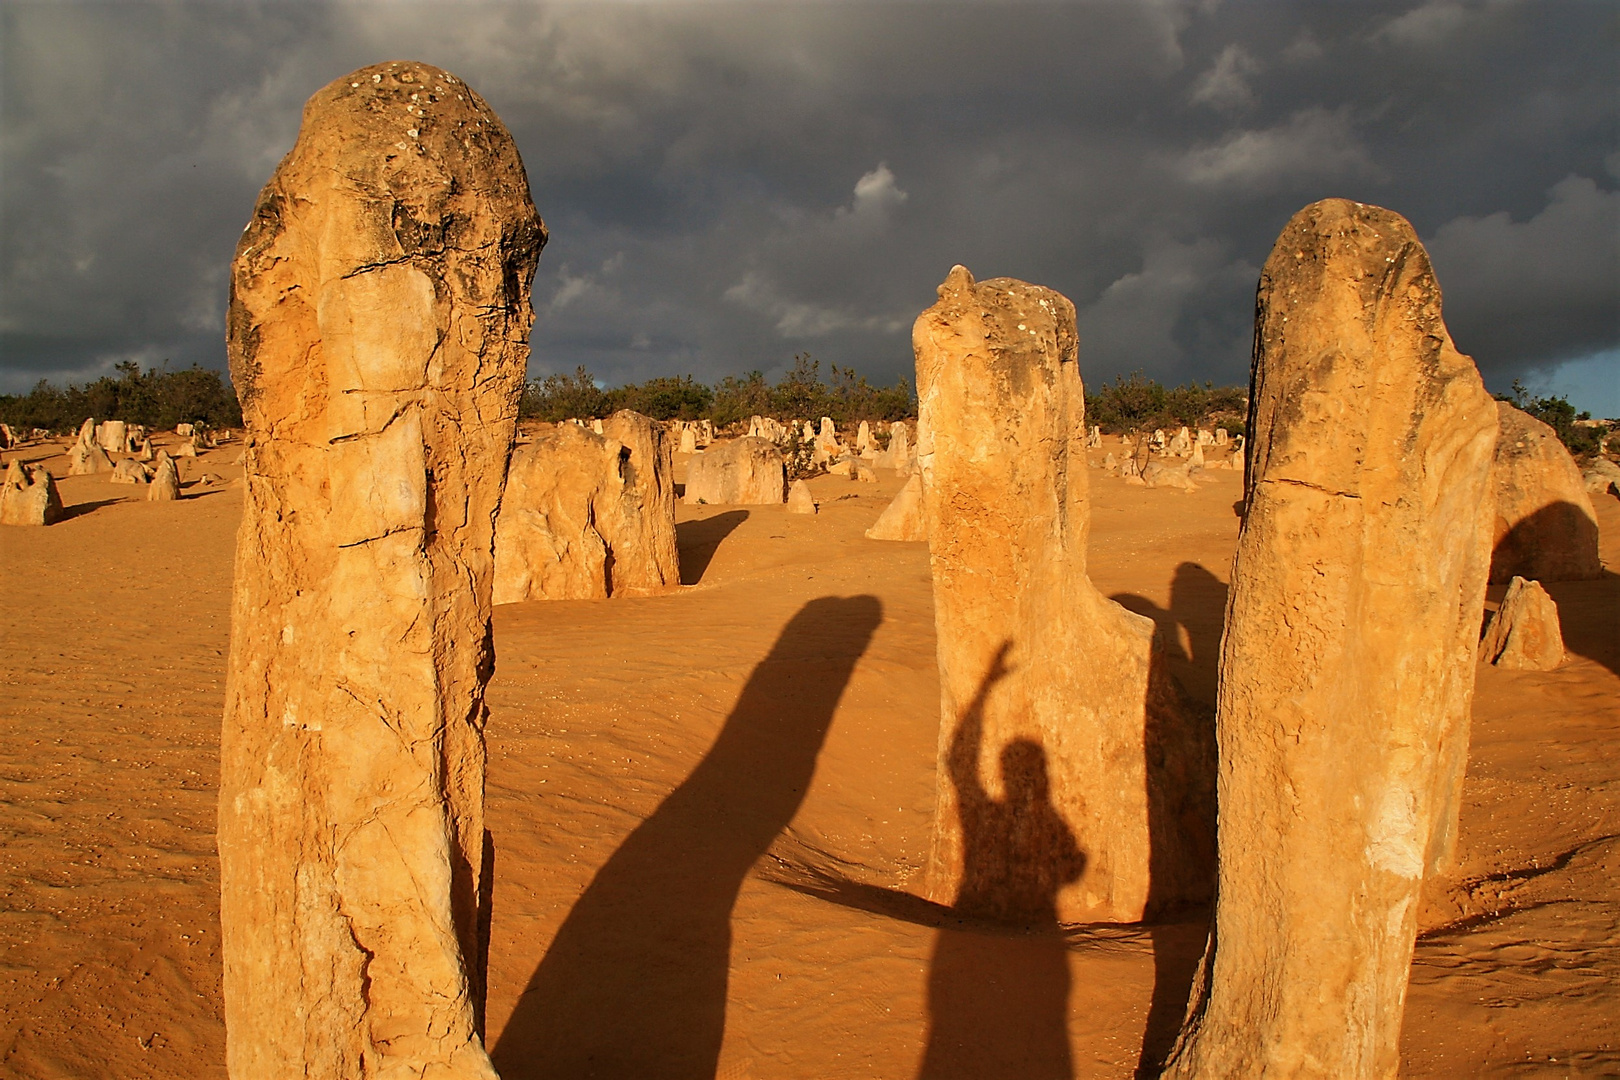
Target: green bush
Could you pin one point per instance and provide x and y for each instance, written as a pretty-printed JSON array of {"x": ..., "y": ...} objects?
[
  {"x": 561, "y": 397},
  {"x": 801, "y": 394},
  {"x": 1134, "y": 403},
  {"x": 668, "y": 398},
  {"x": 158, "y": 398},
  {"x": 1558, "y": 414}
]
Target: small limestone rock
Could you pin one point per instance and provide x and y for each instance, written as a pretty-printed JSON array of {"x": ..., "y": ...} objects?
[
  {"x": 897, "y": 455},
  {"x": 799, "y": 499},
  {"x": 1156, "y": 474},
  {"x": 864, "y": 473},
  {"x": 165, "y": 482},
  {"x": 745, "y": 472},
  {"x": 688, "y": 440},
  {"x": 86, "y": 457},
  {"x": 903, "y": 518},
  {"x": 130, "y": 471},
  {"x": 1602, "y": 477},
  {"x": 28, "y": 496},
  {"x": 1546, "y": 529},
  {"x": 112, "y": 436},
  {"x": 640, "y": 526},
  {"x": 843, "y": 467},
  {"x": 1523, "y": 634},
  {"x": 185, "y": 431}
]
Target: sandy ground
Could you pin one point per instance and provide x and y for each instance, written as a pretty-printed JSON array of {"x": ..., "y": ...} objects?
[{"x": 710, "y": 811}]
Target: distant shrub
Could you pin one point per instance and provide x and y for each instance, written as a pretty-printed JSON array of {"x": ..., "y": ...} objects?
[
  {"x": 1558, "y": 414},
  {"x": 158, "y": 398},
  {"x": 561, "y": 397},
  {"x": 668, "y": 398},
  {"x": 801, "y": 394},
  {"x": 1134, "y": 403}
]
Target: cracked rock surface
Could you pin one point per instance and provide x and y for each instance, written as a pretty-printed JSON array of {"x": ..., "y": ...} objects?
[
  {"x": 1347, "y": 664},
  {"x": 377, "y": 336},
  {"x": 1075, "y": 783}
]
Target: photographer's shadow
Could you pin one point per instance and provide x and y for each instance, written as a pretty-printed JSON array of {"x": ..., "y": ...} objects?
[{"x": 998, "y": 998}]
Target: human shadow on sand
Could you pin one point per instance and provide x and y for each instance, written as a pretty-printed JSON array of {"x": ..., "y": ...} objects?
[
  {"x": 697, "y": 541},
  {"x": 634, "y": 983},
  {"x": 998, "y": 1004}
]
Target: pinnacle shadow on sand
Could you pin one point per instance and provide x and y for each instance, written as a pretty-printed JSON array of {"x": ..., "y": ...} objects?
[
  {"x": 699, "y": 540},
  {"x": 1586, "y": 607},
  {"x": 1197, "y": 608},
  {"x": 634, "y": 984}
]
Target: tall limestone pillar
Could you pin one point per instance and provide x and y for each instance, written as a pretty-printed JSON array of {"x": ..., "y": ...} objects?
[
  {"x": 1347, "y": 666},
  {"x": 378, "y": 339},
  {"x": 1074, "y": 783}
]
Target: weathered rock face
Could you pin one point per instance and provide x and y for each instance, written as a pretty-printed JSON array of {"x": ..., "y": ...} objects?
[
  {"x": 1524, "y": 633},
  {"x": 1347, "y": 665},
  {"x": 898, "y": 453},
  {"x": 641, "y": 525},
  {"x": 28, "y": 496},
  {"x": 547, "y": 543},
  {"x": 588, "y": 516},
  {"x": 377, "y": 337},
  {"x": 86, "y": 457},
  {"x": 1100, "y": 807},
  {"x": 903, "y": 518},
  {"x": 1601, "y": 477},
  {"x": 799, "y": 498},
  {"x": 744, "y": 471},
  {"x": 165, "y": 483},
  {"x": 1546, "y": 529},
  {"x": 112, "y": 435},
  {"x": 1157, "y": 474}
]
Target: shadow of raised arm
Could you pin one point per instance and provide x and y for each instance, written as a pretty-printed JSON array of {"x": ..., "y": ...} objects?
[{"x": 963, "y": 760}]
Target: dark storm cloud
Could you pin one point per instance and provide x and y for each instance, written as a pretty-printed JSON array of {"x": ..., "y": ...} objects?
[{"x": 727, "y": 185}]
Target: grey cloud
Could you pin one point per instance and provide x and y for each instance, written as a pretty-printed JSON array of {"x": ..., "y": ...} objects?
[
  {"x": 1313, "y": 143},
  {"x": 1535, "y": 287},
  {"x": 728, "y": 184},
  {"x": 1225, "y": 86}
]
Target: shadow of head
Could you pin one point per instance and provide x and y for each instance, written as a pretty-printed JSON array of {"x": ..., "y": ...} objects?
[{"x": 697, "y": 541}]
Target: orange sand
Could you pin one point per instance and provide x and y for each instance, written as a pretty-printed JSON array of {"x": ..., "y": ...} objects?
[{"x": 766, "y": 912}]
